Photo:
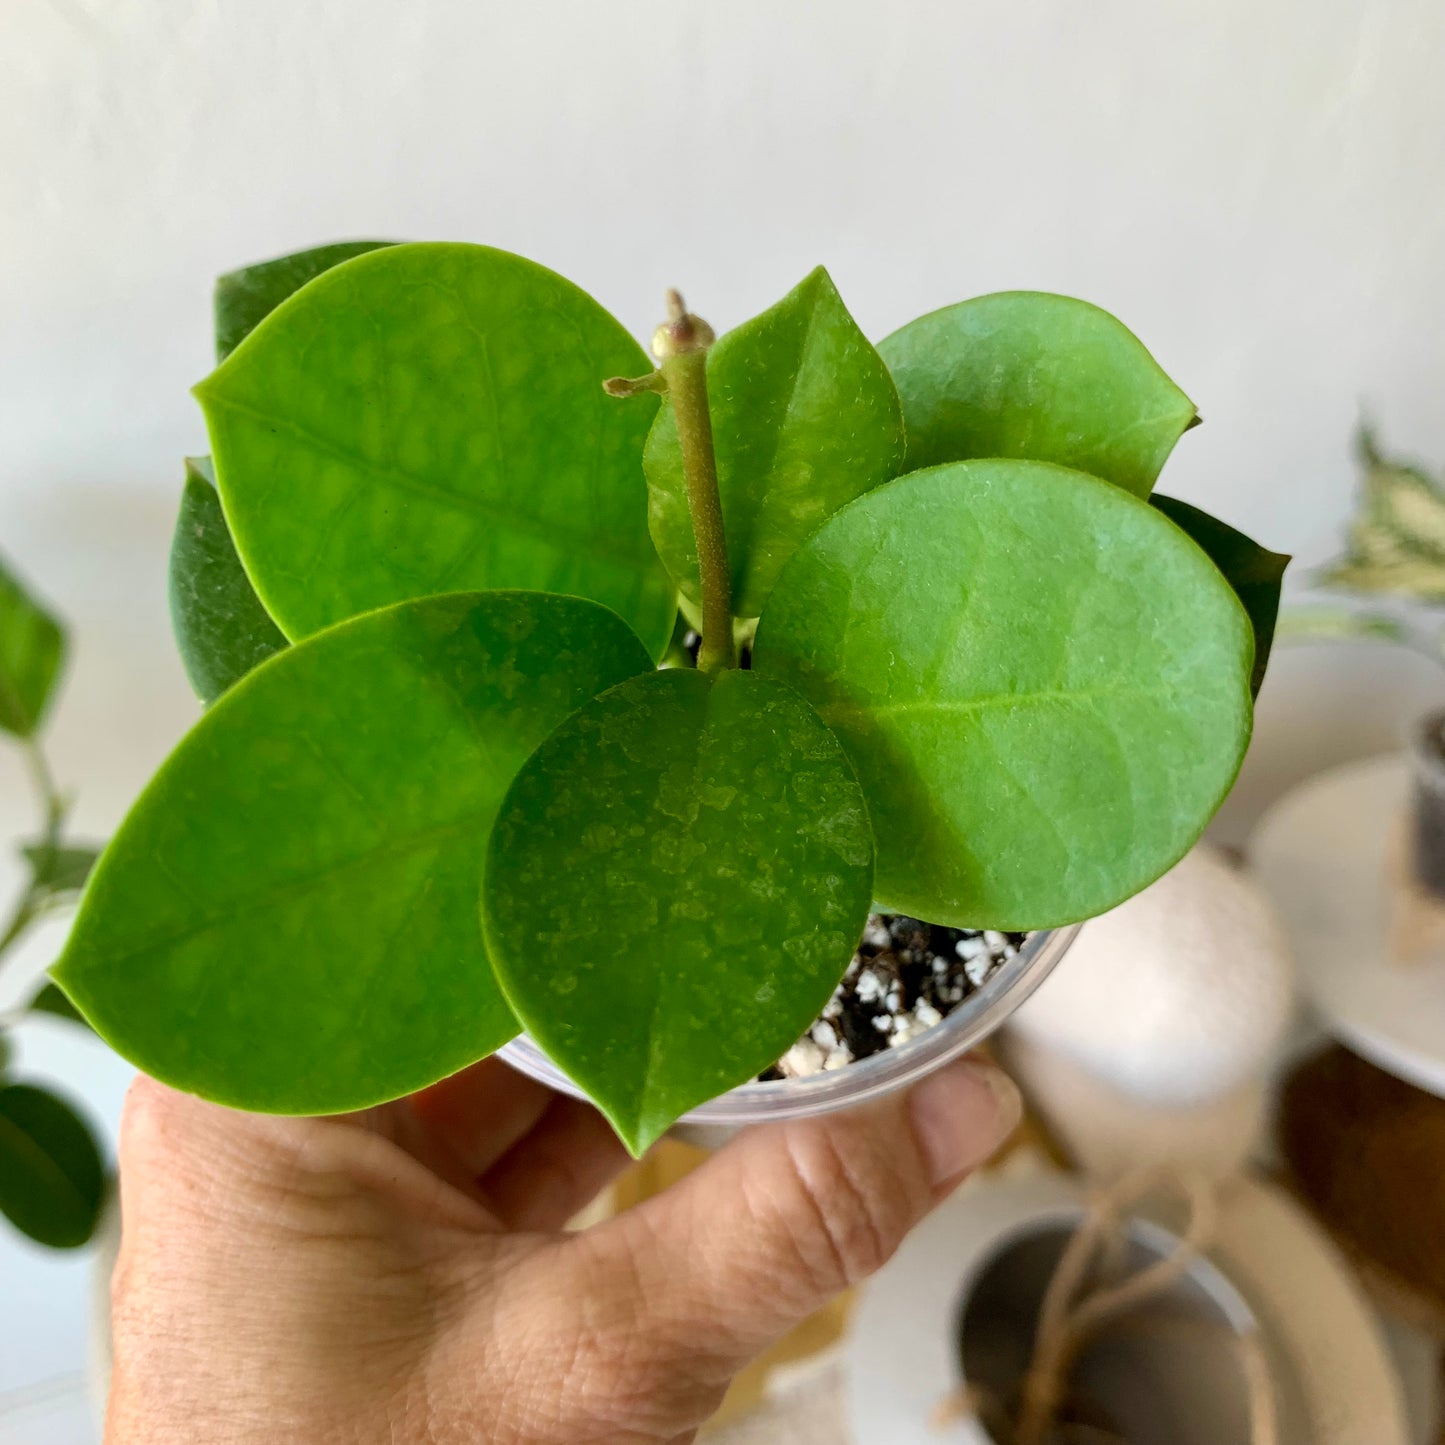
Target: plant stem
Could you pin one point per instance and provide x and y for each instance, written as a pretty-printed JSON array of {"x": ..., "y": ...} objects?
[
  {"x": 681, "y": 346},
  {"x": 20, "y": 920},
  {"x": 44, "y": 779},
  {"x": 33, "y": 903}
]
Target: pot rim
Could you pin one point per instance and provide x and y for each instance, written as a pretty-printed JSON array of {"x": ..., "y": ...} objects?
[{"x": 882, "y": 1073}]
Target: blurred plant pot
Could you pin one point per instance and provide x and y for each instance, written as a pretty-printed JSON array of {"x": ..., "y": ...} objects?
[
  {"x": 714, "y": 1123},
  {"x": 1427, "y": 812},
  {"x": 1170, "y": 1373}
]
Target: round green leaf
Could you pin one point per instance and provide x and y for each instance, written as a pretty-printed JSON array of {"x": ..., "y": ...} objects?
[
  {"x": 52, "y": 1178},
  {"x": 287, "y": 919},
  {"x": 805, "y": 418},
  {"x": 32, "y": 650},
  {"x": 245, "y": 298},
  {"x": 430, "y": 418},
  {"x": 1027, "y": 374},
  {"x": 221, "y": 628},
  {"x": 1043, "y": 684},
  {"x": 676, "y": 882}
]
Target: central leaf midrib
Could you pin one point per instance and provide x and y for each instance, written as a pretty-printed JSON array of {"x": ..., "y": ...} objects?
[
  {"x": 485, "y": 508},
  {"x": 655, "y": 1006},
  {"x": 744, "y": 528},
  {"x": 999, "y": 700}
]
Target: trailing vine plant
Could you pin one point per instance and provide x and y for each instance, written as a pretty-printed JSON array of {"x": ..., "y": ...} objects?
[{"x": 52, "y": 1177}]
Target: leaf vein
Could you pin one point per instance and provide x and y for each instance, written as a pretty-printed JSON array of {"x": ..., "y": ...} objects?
[{"x": 540, "y": 528}]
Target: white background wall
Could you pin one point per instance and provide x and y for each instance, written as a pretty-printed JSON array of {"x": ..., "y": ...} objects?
[{"x": 1256, "y": 186}]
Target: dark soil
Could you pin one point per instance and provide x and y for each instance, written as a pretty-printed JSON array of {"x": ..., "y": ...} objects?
[{"x": 905, "y": 977}]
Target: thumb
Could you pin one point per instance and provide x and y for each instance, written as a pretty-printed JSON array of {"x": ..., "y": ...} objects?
[{"x": 787, "y": 1215}]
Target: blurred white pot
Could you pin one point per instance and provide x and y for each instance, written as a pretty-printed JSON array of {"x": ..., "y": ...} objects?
[
  {"x": 1108, "y": 1133},
  {"x": 1176, "y": 997}
]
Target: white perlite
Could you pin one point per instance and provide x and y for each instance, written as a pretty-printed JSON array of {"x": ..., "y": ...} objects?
[{"x": 873, "y": 982}]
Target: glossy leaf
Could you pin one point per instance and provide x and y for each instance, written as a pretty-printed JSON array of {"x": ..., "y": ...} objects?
[
  {"x": 1256, "y": 574},
  {"x": 1043, "y": 684},
  {"x": 50, "y": 1000},
  {"x": 221, "y": 628},
  {"x": 428, "y": 419},
  {"x": 59, "y": 868},
  {"x": 676, "y": 883},
  {"x": 805, "y": 418},
  {"x": 1030, "y": 375},
  {"x": 287, "y": 919},
  {"x": 52, "y": 1179},
  {"x": 246, "y": 297},
  {"x": 32, "y": 649}
]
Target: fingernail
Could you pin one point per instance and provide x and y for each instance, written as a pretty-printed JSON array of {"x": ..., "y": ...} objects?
[{"x": 961, "y": 1115}]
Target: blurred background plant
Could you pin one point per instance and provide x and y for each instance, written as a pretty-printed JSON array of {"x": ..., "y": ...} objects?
[
  {"x": 1392, "y": 571},
  {"x": 52, "y": 1175}
]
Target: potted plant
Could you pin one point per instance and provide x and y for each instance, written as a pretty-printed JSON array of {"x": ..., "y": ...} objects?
[
  {"x": 443, "y": 792},
  {"x": 52, "y": 1176}
]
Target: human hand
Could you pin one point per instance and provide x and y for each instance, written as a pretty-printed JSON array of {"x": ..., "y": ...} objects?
[{"x": 401, "y": 1276}]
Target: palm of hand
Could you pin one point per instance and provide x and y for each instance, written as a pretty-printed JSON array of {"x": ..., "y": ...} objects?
[{"x": 403, "y": 1276}]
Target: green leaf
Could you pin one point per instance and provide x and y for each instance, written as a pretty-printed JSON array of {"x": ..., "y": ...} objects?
[
  {"x": 52, "y": 1179},
  {"x": 287, "y": 920},
  {"x": 1256, "y": 574},
  {"x": 221, "y": 628},
  {"x": 676, "y": 882},
  {"x": 50, "y": 1000},
  {"x": 32, "y": 648},
  {"x": 246, "y": 297},
  {"x": 1047, "y": 378},
  {"x": 805, "y": 418},
  {"x": 59, "y": 869},
  {"x": 1401, "y": 499},
  {"x": 1043, "y": 684},
  {"x": 428, "y": 419},
  {"x": 5, "y": 1052}
]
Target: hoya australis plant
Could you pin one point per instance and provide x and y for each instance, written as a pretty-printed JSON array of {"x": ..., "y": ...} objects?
[{"x": 443, "y": 792}]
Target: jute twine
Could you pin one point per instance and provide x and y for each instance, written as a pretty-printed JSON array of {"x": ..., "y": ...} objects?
[{"x": 1071, "y": 1316}]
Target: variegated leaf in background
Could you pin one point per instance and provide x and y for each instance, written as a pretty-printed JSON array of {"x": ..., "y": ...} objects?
[{"x": 1396, "y": 541}]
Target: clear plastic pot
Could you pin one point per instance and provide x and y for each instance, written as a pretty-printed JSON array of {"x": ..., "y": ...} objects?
[{"x": 713, "y": 1123}]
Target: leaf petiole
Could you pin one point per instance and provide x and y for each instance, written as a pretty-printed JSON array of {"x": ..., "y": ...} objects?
[
  {"x": 681, "y": 346},
  {"x": 36, "y": 898}
]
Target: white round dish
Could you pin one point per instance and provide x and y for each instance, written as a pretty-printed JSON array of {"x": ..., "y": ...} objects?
[{"x": 1322, "y": 853}]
